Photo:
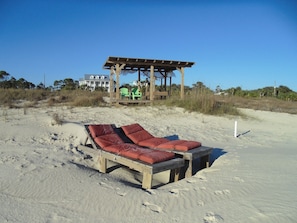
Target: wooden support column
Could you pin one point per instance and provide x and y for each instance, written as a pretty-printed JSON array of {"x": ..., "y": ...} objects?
[
  {"x": 182, "y": 87},
  {"x": 165, "y": 81},
  {"x": 152, "y": 83},
  {"x": 139, "y": 74},
  {"x": 111, "y": 84},
  {"x": 163, "y": 86},
  {"x": 118, "y": 71},
  {"x": 170, "y": 83},
  {"x": 138, "y": 81}
]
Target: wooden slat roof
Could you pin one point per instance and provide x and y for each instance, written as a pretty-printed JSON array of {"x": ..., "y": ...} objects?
[{"x": 144, "y": 64}]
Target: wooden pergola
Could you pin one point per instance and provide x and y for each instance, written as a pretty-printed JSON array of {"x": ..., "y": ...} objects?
[{"x": 164, "y": 67}]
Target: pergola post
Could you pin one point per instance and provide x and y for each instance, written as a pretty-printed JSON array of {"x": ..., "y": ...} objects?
[
  {"x": 152, "y": 83},
  {"x": 118, "y": 71},
  {"x": 170, "y": 83},
  {"x": 182, "y": 87},
  {"x": 165, "y": 81},
  {"x": 111, "y": 84}
]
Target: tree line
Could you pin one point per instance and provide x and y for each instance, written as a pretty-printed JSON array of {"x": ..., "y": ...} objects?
[
  {"x": 8, "y": 81},
  {"x": 281, "y": 92}
]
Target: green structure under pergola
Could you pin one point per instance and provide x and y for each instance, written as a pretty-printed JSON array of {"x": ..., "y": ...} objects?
[{"x": 154, "y": 67}]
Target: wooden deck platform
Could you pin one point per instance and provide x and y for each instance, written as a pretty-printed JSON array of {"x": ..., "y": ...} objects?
[{"x": 130, "y": 101}]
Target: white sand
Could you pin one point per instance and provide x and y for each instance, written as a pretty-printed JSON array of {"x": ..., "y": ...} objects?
[{"x": 44, "y": 178}]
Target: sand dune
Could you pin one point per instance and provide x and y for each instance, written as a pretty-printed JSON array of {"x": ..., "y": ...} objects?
[{"x": 45, "y": 178}]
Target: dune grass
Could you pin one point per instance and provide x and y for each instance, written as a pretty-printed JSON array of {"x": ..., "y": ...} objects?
[
  {"x": 18, "y": 98},
  {"x": 202, "y": 102},
  {"x": 205, "y": 104}
]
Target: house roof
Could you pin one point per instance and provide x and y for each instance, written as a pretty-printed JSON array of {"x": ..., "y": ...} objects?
[
  {"x": 97, "y": 77},
  {"x": 135, "y": 64}
]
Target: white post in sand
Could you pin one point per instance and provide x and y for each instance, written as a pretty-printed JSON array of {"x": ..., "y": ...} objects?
[{"x": 235, "y": 129}]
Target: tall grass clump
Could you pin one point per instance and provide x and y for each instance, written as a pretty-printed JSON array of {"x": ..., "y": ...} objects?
[
  {"x": 16, "y": 98},
  {"x": 10, "y": 97},
  {"x": 77, "y": 98},
  {"x": 57, "y": 119},
  {"x": 203, "y": 102},
  {"x": 89, "y": 99}
]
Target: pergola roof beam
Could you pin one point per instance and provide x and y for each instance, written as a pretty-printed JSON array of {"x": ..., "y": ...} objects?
[{"x": 165, "y": 65}]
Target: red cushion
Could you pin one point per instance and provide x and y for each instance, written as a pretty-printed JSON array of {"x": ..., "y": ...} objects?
[
  {"x": 139, "y": 136},
  {"x": 155, "y": 156},
  {"x": 98, "y": 130},
  {"x": 107, "y": 140},
  {"x": 153, "y": 142},
  {"x": 134, "y": 152},
  {"x": 119, "y": 148},
  {"x": 170, "y": 144},
  {"x": 187, "y": 145},
  {"x": 128, "y": 129}
]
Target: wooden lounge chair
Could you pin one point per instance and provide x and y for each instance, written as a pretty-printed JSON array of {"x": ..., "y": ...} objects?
[
  {"x": 109, "y": 146},
  {"x": 189, "y": 150}
]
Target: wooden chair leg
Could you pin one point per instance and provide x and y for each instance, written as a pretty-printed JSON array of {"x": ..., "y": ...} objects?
[
  {"x": 86, "y": 140},
  {"x": 174, "y": 175},
  {"x": 147, "y": 180},
  {"x": 102, "y": 164},
  {"x": 204, "y": 162},
  {"x": 189, "y": 168}
]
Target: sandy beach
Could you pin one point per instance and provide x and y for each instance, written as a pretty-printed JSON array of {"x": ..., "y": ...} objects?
[{"x": 44, "y": 177}]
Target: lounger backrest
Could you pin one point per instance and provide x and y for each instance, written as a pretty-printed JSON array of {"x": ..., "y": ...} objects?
[
  {"x": 141, "y": 137},
  {"x": 99, "y": 130},
  {"x": 104, "y": 135},
  {"x": 136, "y": 133}
]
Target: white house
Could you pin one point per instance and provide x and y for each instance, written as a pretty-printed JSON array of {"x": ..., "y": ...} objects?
[{"x": 93, "y": 81}]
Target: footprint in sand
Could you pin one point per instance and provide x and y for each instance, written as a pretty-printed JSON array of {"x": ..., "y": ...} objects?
[
  {"x": 176, "y": 192},
  {"x": 222, "y": 192},
  {"x": 200, "y": 203},
  {"x": 122, "y": 194},
  {"x": 58, "y": 218},
  {"x": 201, "y": 178},
  {"x": 191, "y": 181},
  {"x": 106, "y": 185},
  {"x": 238, "y": 179},
  {"x": 211, "y": 217},
  {"x": 153, "y": 207}
]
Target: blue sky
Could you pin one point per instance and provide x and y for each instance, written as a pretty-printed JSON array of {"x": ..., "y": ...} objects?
[{"x": 250, "y": 44}]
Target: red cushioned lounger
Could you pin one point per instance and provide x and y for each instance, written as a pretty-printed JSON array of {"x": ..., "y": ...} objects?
[
  {"x": 188, "y": 149},
  {"x": 110, "y": 146}
]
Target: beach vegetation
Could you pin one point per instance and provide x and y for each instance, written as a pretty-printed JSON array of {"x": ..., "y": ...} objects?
[
  {"x": 57, "y": 119},
  {"x": 197, "y": 98}
]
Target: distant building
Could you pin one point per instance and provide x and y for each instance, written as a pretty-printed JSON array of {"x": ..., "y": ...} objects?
[{"x": 95, "y": 81}]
